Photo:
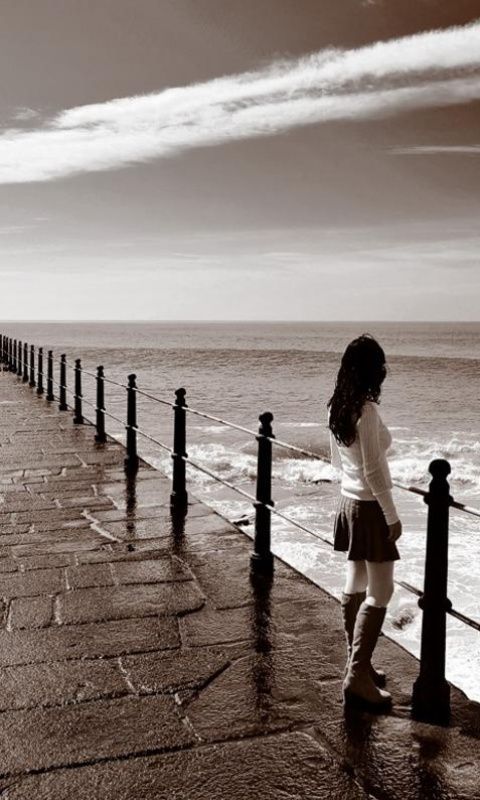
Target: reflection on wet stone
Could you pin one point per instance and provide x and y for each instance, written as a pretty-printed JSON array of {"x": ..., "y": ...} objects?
[
  {"x": 131, "y": 504},
  {"x": 263, "y": 677}
]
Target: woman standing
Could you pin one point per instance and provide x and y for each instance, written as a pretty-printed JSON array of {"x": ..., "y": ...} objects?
[{"x": 366, "y": 523}]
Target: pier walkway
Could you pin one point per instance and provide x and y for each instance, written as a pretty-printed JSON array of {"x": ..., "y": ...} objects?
[{"x": 139, "y": 660}]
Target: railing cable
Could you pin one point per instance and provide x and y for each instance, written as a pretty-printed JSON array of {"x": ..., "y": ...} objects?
[{"x": 194, "y": 464}]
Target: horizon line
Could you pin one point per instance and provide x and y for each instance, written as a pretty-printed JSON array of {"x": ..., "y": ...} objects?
[{"x": 85, "y": 321}]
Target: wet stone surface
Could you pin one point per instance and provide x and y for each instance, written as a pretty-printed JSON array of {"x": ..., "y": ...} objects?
[{"x": 139, "y": 658}]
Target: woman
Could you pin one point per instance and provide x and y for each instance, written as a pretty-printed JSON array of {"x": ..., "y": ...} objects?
[{"x": 366, "y": 523}]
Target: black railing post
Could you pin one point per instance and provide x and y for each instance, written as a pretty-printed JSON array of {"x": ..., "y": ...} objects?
[
  {"x": 179, "y": 495},
  {"x": 40, "y": 371},
  {"x": 10, "y": 354},
  {"x": 131, "y": 461},
  {"x": 63, "y": 383},
  {"x": 50, "y": 395},
  {"x": 78, "y": 418},
  {"x": 25, "y": 362},
  {"x": 261, "y": 559},
  {"x": 32, "y": 366},
  {"x": 19, "y": 359},
  {"x": 100, "y": 436},
  {"x": 14, "y": 362},
  {"x": 431, "y": 692}
]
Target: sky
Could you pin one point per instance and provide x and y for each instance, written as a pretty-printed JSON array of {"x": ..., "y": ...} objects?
[{"x": 262, "y": 159}]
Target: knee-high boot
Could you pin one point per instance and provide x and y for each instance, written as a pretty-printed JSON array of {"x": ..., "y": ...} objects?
[
  {"x": 350, "y": 603},
  {"x": 358, "y": 686}
]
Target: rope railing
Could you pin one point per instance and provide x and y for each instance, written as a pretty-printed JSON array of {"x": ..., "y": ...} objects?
[
  {"x": 430, "y": 704},
  {"x": 143, "y": 393},
  {"x": 155, "y": 441}
]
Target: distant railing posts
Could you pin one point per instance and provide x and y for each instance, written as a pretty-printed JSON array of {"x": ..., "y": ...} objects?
[
  {"x": 32, "y": 366},
  {"x": 50, "y": 396},
  {"x": 78, "y": 418},
  {"x": 261, "y": 559},
  {"x": 40, "y": 371},
  {"x": 100, "y": 436},
  {"x": 431, "y": 692},
  {"x": 179, "y": 495},
  {"x": 131, "y": 461},
  {"x": 25, "y": 363},
  {"x": 19, "y": 359},
  {"x": 63, "y": 383}
]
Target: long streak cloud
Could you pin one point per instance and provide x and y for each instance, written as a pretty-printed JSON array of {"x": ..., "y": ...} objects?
[{"x": 432, "y": 69}]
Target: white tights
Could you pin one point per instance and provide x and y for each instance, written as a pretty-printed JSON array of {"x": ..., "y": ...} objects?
[{"x": 374, "y": 577}]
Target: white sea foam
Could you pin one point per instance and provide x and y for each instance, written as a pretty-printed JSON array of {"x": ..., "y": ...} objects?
[
  {"x": 408, "y": 461},
  {"x": 300, "y": 425}
]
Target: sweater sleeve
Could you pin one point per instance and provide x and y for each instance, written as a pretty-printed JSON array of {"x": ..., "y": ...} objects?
[
  {"x": 375, "y": 467},
  {"x": 335, "y": 458}
]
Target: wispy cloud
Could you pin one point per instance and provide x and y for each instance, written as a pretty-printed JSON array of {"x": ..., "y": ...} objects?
[
  {"x": 24, "y": 114},
  {"x": 430, "y": 69},
  {"x": 434, "y": 149}
]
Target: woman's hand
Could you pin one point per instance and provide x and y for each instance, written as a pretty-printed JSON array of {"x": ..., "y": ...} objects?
[{"x": 395, "y": 531}]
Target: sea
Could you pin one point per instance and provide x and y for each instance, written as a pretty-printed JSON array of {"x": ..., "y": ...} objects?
[{"x": 237, "y": 370}]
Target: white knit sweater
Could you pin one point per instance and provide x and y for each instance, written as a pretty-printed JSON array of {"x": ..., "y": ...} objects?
[{"x": 364, "y": 466}]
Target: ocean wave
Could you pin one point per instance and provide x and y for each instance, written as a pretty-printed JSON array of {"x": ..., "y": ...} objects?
[
  {"x": 408, "y": 459},
  {"x": 208, "y": 428},
  {"x": 300, "y": 425}
]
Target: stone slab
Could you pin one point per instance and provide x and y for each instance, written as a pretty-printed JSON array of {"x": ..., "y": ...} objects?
[
  {"x": 30, "y": 612},
  {"x": 291, "y": 766},
  {"x": 44, "y": 738},
  {"x": 43, "y": 581},
  {"x": 86, "y": 575},
  {"x": 123, "y": 602},
  {"x": 88, "y": 641},
  {"x": 170, "y": 671},
  {"x": 152, "y": 571},
  {"x": 58, "y": 683}
]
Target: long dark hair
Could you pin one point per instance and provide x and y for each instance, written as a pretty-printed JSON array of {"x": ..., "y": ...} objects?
[{"x": 360, "y": 377}]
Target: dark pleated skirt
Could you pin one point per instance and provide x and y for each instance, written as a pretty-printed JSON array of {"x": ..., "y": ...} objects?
[{"x": 361, "y": 531}]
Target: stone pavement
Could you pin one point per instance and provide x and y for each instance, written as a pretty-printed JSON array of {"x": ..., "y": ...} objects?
[{"x": 139, "y": 660}]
